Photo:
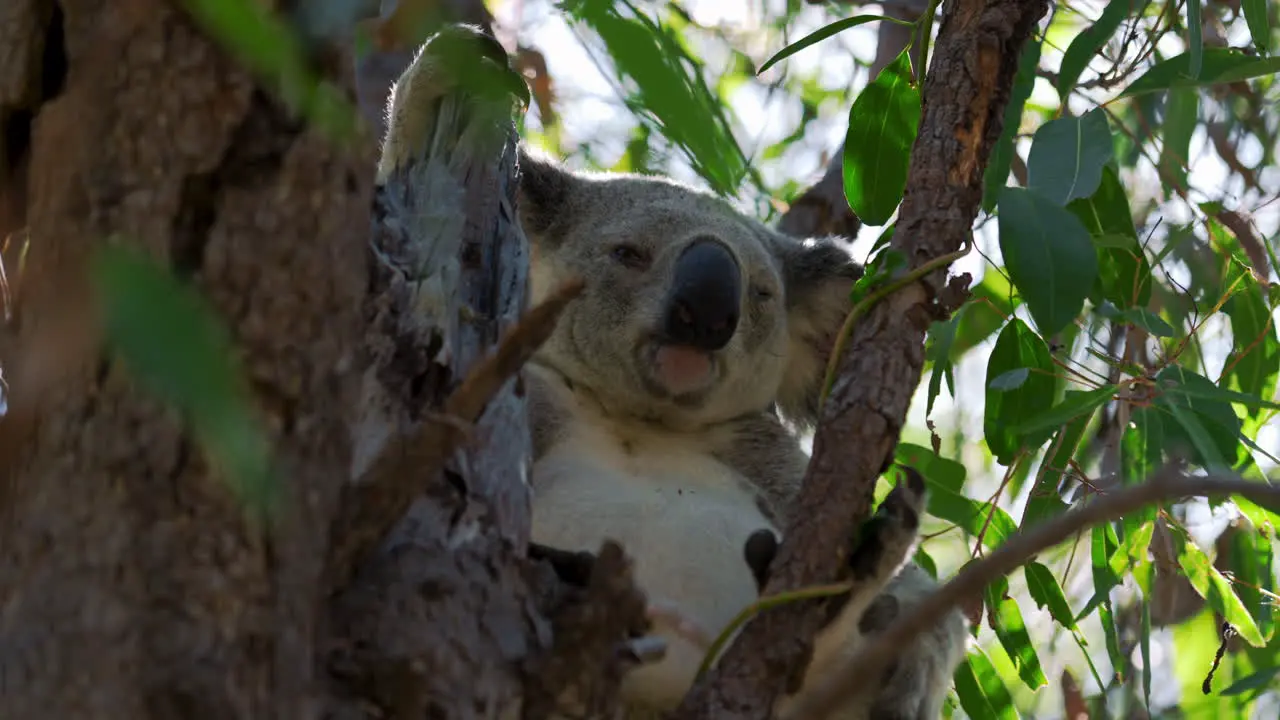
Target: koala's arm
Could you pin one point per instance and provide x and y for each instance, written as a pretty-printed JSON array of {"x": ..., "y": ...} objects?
[
  {"x": 916, "y": 686},
  {"x": 550, "y": 404}
]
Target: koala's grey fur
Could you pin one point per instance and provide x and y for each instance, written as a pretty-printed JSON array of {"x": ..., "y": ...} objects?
[{"x": 683, "y": 481}]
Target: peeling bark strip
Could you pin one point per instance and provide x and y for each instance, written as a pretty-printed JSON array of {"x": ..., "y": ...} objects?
[{"x": 967, "y": 87}]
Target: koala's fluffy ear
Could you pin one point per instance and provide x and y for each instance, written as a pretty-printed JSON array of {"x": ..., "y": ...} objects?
[
  {"x": 546, "y": 190},
  {"x": 818, "y": 275}
]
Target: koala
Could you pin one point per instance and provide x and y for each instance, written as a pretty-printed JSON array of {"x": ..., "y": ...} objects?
[{"x": 665, "y": 408}]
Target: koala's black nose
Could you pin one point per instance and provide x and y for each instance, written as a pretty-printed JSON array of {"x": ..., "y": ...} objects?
[{"x": 702, "y": 309}]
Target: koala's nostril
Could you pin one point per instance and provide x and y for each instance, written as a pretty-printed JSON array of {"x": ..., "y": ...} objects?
[{"x": 702, "y": 308}]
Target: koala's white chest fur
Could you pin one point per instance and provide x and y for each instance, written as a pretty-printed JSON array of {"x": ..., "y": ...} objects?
[{"x": 682, "y": 515}]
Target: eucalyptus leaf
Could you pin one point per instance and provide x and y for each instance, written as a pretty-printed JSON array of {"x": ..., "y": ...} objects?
[
  {"x": 882, "y": 128},
  {"x": 1067, "y": 156},
  {"x": 1048, "y": 254}
]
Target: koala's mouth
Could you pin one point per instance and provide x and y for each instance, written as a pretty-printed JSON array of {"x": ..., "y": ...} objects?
[{"x": 678, "y": 371}]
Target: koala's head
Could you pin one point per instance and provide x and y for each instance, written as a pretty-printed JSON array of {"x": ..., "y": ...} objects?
[{"x": 693, "y": 313}]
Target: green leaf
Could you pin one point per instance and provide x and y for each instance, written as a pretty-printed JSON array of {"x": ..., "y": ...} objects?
[
  {"x": 991, "y": 302},
  {"x": 1220, "y": 65},
  {"x": 1011, "y": 380},
  {"x": 942, "y": 472},
  {"x": 1259, "y": 21},
  {"x": 1210, "y": 427},
  {"x": 1257, "y": 681},
  {"x": 1195, "y": 42},
  {"x": 670, "y": 88},
  {"x": 1124, "y": 275},
  {"x": 1067, "y": 156},
  {"x": 1047, "y": 593},
  {"x": 970, "y": 515},
  {"x": 981, "y": 691},
  {"x": 1179, "y": 124},
  {"x": 1011, "y": 630},
  {"x": 174, "y": 345},
  {"x": 882, "y": 128},
  {"x": 1149, "y": 321},
  {"x": 1045, "y": 500},
  {"x": 1002, "y": 154},
  {"x": 938, "y": 353},
  {"x": 825, "y": 32},
  {"x": 1254, "y": 361},
  {"x": 1017, "y": 347},
  {"x": 1049, "y": 256},
  {"x": 1216, "y": 590},
  {"x": 1252, "y": 566},
  {"x": 1141, "y": 445},
  {"x": 1086, "y": 45},
  {"x": 1073, "y": 405},
  {"x": 268, "y": 45}
]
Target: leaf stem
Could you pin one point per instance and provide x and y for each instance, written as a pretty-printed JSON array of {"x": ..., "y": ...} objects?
[{"x": 861, "y": 308}]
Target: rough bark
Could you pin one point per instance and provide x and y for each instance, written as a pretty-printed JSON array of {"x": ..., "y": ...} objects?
[
  {"x": 440, "y": 617},
  {"x": 965, "y": 92},
  {"x": 131, "y": 582}
]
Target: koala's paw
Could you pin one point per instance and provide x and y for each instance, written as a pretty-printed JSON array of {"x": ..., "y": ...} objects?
[
  {"x": 459, "y": 58},
  {"x": 889, "y": 538}
]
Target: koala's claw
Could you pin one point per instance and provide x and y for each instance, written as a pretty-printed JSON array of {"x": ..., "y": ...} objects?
[{"x": 889, "y": 538}]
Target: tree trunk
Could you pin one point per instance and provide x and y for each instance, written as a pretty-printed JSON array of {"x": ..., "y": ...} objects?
[{"x": 132, "y": 584}]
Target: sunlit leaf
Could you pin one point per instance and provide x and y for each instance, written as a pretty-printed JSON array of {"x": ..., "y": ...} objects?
[
  {"x": 1011, "y": 631},
  {"x": 1258, "y": 681},
  {"x": 669, "y": 88},
  {"x": 1067, "y": 157},
  {"x": 1216, "y": 590},
  {"x": 981, "y": 691},
  {"x": 1049, "y": 256},
  {"x": 1220, "y": 65},
  {"x": 823, "y": 33},
  {"x": 882, "y": 128},
  {"x": 1047, "y": 593}
]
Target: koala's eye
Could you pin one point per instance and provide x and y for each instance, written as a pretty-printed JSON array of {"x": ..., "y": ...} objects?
[
  {"x": 761, "y": 293},
  {"x": 630, "y": 256}
]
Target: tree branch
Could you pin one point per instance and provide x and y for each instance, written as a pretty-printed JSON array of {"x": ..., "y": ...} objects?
[
  {"x": 1167, "y": 485},
  {"x": 966, "y": 90},
  {"x": 372, "y": 506}
]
